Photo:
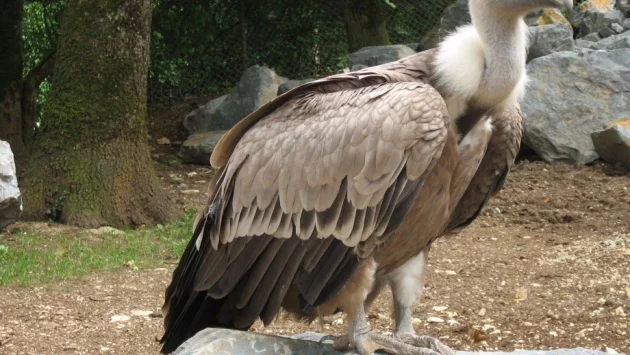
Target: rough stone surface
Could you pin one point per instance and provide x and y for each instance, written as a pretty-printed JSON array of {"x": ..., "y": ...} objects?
[
  {"x": 601, "y": 5},
  {"x": 613, "y": 145},
  {"x": 257, "y": 86},
  {"x": 624, "y": 6},
  {"x": 591, "y": 37},
  {"x": 414, "y": 46},
  {"x": 571, "y": 95},
  {"x": 200, "y": 120},
  {"x": 231, "y": 342},
  {"x": 626, "y": 24},
  {"x": 619, "y": 41},
  {"x": 548, "y": 39},
  {"x": 596, "y": 21},
  {"x": 292, "y": 84},
  {"x": 376, "y": 55},
  {"x": 198, "y": 147},
  {"x": 10, "y": 198},
  {"x": 358, "y": 67},
  {"x": 454, "y": 15},
  {"x": 546, "y": 17}
]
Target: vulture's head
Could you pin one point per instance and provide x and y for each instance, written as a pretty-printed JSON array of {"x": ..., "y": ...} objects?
[{"x": 519, "y": 7}]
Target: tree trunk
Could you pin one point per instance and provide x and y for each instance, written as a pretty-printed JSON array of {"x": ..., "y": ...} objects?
[
  {"x": 11, "y": 17},
  {"x": 365, "y": 22},
  {"x": 30, "y": 90},
  {"x": 91, "y": 163}
]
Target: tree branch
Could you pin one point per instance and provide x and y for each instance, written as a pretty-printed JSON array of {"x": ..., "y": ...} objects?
[{"x": 30, "y": 89}]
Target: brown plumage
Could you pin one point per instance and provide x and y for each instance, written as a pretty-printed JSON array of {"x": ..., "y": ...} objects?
[{"x": 347, "y": 179}]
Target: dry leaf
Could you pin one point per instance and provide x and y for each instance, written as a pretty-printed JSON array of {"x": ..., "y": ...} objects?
[
  {"x": 435, "y": 320},
  {"x": 440, "y": 308},
  {"x": 163, "y": 141},
  {"x": 120, "y": 318},
  {"x": 477, "y": 335},
  {"x": 521, "y": 294}
]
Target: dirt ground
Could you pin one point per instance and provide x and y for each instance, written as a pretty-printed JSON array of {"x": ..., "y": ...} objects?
[{"x": 547, "y": 265}]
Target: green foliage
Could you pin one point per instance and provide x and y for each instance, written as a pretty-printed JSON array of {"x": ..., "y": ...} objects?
[
  {"x": 196, "y": 45},
  {"x": 54, "y": 212},
  {"x": 40, "y": 36},
  {"x": 41, "y": 257}
]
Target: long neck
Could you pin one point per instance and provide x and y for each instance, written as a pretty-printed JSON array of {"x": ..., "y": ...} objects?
[{"x": 504, "y": 40}]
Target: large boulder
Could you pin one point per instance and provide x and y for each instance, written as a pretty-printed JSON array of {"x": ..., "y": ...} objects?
[
  {"x": 376, "y": 55},
  {"x": 233, "y": 342},
  {"x": 198, "y": 147},
  {"x": 292, "y": 84},
  {"x": 257, "y": 86},
  {"x": 454, "y": 16},
  {"x": 596, "y": 21},
  {"x": 571, "y": 95},
  {"x": 548, "y": 39},
  {"x": 546, "y": 17},
  {"x": 10, "y": 198},
  {"x": 613, "y": 143},
  {"x": 200, "y": 120},
  {"x": 620, "y": 41}
]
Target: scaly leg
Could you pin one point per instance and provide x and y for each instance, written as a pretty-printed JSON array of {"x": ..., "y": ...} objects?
[
  {"x": 367, "y": 341},
  {"x": 407, "y": 283}
]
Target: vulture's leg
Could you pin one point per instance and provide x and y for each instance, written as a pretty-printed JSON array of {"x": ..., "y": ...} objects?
[
  {"x": 361, "y": 336},
  {"x": 407, "y": 283}
]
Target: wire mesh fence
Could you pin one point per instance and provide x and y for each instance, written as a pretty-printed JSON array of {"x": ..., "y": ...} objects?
[{"x": 203, "y": 47}]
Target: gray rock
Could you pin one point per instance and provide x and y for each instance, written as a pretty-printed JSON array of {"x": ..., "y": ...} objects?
[
  {"x": 10, "y": 197},
  {"x": 613, "y": 145},
  {"x": 617, "y": 28},
  {"x": 548, "y": 39},
  {"x": 454, "y": 15},
  {"x": 626, "y": 24},
  {"x": 198, "y": 147},
  {"x": 414, "y": 46},
  {"x": 376, "y": 55},
  {"x": 200, "y": 120},
  {"x": 619, "y": 41},
  {"x": 531, "y": 19},
  {"x": 232, "y": 342},
  {"x": 624, "y": 6},
  {"x": 257, "y": 86},
  {"x": 571, "y": 95},
  {"x": 358, "y": 67},
  {"x": 595, "y": 21},
  {"x": 591, "y": 37},
  {"x": 292, "y": 84}
]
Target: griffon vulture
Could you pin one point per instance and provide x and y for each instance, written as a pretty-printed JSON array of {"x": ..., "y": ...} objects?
[{"x": 348, "y": 179}]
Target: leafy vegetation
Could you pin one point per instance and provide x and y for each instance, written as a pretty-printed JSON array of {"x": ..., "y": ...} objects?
[{"x": 31, "y": 257}]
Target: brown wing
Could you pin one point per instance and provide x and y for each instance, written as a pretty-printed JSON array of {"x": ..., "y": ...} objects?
[
  {"x": 414, "y": 68},
  {"x": 493, "y": 170},
  {"x": 304, "y": 190}
]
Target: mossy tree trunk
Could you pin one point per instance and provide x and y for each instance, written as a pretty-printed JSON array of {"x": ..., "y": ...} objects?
[
  {"x": 11, "y": 17},
  {"x": 91, "y": 162},
  {"x": 365, "y": 22}
]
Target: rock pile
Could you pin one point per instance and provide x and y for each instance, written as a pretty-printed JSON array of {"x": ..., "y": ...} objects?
[{"x": 579, "y": 69}]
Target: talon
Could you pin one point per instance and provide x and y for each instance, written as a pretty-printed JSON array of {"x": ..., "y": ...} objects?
[
  {"x": 368, "y": 343},
  {"x": 341, "y": 343},
  {"x": 427, "y": 342}
]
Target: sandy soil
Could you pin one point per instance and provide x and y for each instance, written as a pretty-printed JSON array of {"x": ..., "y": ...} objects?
[{"x": 547, "y": 265}]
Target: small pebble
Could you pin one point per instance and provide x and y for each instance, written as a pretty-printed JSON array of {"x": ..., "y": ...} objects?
[
  {"x": 435, "y": 320},
  {"x": 482, "y": 312}
]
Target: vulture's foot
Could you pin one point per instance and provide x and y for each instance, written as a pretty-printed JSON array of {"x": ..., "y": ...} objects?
[
  {"x": 425, "y": 342},
  {"x": 368, "y": 343}
]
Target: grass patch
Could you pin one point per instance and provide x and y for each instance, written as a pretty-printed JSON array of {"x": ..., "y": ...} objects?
[{"x": 30, "y": 258}]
